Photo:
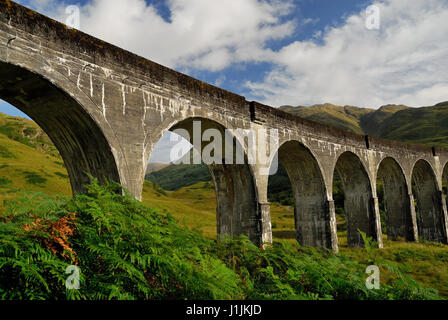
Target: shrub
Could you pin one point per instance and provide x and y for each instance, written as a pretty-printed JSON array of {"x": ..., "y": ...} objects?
[
  {"x": 5, "y": 153},
  {"x": 34, "y": 178},
  {"x": 62, "y": 175},
  {"x": 4, "y": 182}
]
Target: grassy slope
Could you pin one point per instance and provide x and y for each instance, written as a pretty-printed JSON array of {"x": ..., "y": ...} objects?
[
  {"x": 174, "y": 177},
  {"x": 195, "y": 206},
  {"x": 28, "y": 160},
  {"x": 26, "y": 132},
  {"x": 23, "y": 167}
]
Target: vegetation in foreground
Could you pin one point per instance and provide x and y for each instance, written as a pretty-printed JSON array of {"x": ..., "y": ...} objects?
[{"x": 126, "y": 250}]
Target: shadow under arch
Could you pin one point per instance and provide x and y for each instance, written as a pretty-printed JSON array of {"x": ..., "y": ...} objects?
[
  {"x": 445, "y": 182},
  {"x": 237, "y": 210},
  {"x": 79, "y": 140},
  {"x": 429, "y": 211},
  {"x": 358, "y": 199},
  {"x": 397, "y": 203},
  {"x": 311, "y": 207}
]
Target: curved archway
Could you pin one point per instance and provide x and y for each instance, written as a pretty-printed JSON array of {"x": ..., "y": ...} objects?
[
  {"x": 358, "y": 200},
  {"x": 311, "y": 208},
  {"x": 237, "y": 208},
  {"x": 429, "y": 212},
  {"x": 81, "y": 143},
  {"x": 397, "y": 205}
]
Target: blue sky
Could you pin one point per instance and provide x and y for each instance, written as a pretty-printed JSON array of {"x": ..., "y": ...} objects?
[
  {"x": 278, "y": 52},
  {"x": 321, "y": 13}
]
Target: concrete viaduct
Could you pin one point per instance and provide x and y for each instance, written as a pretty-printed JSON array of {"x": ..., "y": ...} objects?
[{"x": 105, "y": 109}]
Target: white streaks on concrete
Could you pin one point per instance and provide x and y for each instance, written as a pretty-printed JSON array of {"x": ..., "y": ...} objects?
[{"x": 123, "y": 93}]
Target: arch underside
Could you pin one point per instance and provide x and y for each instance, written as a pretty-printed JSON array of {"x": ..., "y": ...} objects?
[
  {"x": 396, "y": 201},
  {"x": 238, "y": 211},
  {"x": 429, "y": 212},
  {"x": 358, "y": 200},
  {"x": 445, "y": 183},
  {"x": 77, "y": 137},
  {"x": 311, "y": 208}
]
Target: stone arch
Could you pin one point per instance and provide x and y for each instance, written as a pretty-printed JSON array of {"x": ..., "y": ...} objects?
[
  {"x": 359, "y": 206},
  {"x": 397, "y": 202},
  {"x": 238, "y": 211},
  {"x": 311, "y": 206},
  {"x": 429, "y": 211},
  {"x": 79, "y": 139}
]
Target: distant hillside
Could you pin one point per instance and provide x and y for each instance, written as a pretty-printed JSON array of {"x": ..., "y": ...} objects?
[
  {"x": 27, "y": 165},
  {"x": 372, "y": 123},
  {"x": 425, "y": 125},
  {"x": 347, "y": 117},
  {"x": 175, "y": 177},
  {"x": 27, "y": 132},
  {"x": 152, "y": 167},
  {"x": 23, "y": 167}
]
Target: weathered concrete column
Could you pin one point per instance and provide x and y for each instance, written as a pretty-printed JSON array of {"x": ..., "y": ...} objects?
[
  {"x": 333, "y": 226},
  {"x": 444, "y": 216},
  {"x": 378, "y": 234},
  {"x": 413, "y": 217},
  {"x": 265, "y": 223},
  {"x": 237, "y": 212}
]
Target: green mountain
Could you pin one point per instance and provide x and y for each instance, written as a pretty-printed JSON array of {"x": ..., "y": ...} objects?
[
  {"x": 425, "y": 125},
  {"x": 428, "y": 125},
  {"x": 174, "y": 177},
  {"x": 347, "y": 117},
  {"x": 372, "y": 123},
  {"x": 28, "y": 133}
]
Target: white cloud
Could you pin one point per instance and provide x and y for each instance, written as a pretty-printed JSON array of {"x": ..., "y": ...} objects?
[
  {"x": 202, "y": 34},
  {"x": 162, "y": 150},
  {"x": 403, "y": 62}
]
